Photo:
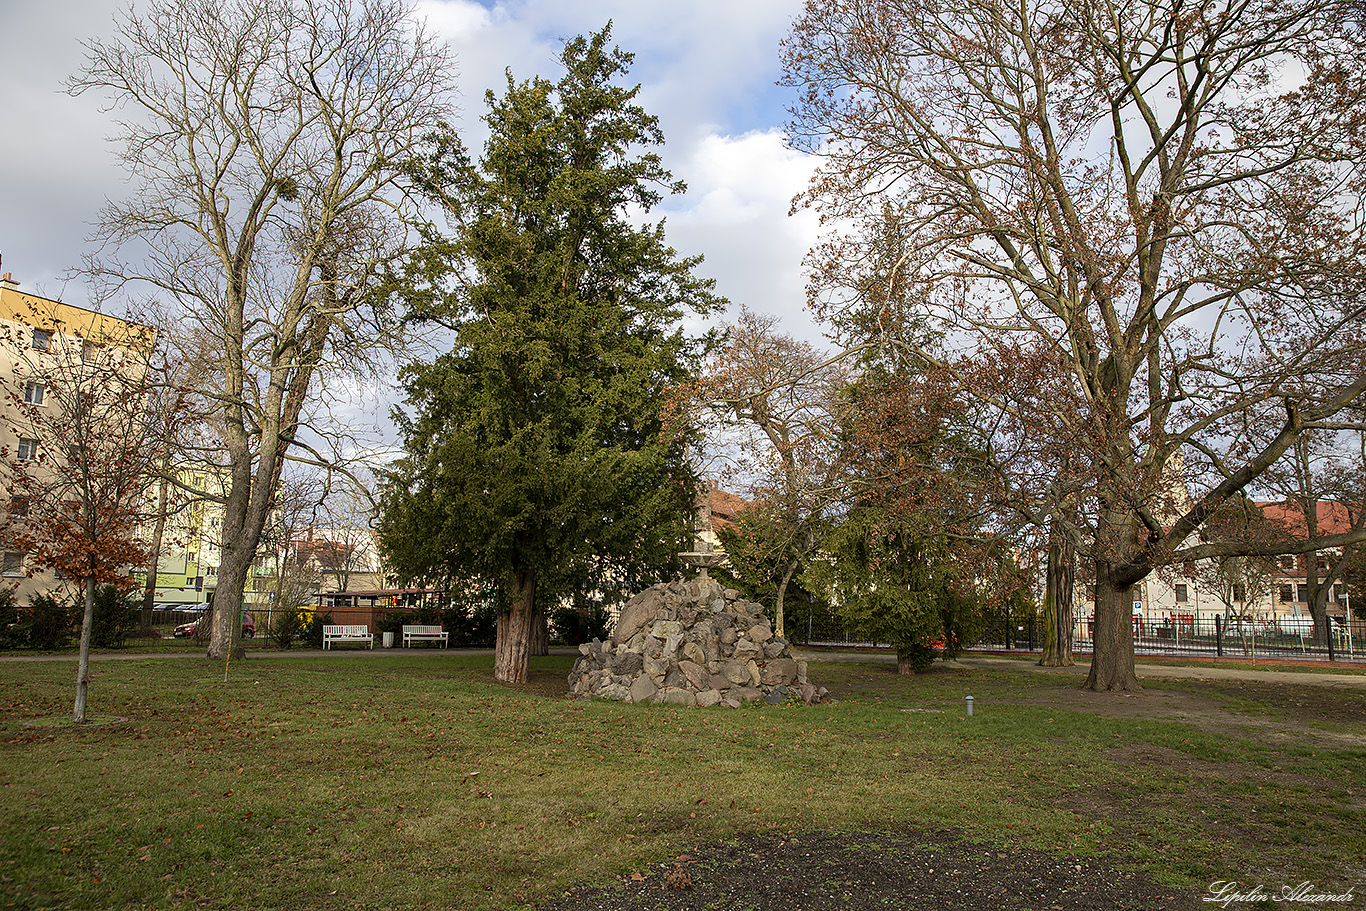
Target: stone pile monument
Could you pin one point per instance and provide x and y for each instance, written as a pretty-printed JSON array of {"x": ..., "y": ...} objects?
[{"x": 692, "y": 643}]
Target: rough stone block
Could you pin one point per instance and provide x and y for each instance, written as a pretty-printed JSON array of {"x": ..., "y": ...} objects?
[
  {"x": 694, "y": 652},
  {"x": 673, "y": 695},
  {"x": 642, "y": 689},
  {"x": 747, "y": 693},
  {"x": 735, "y": 672},
  {"x": 627, "y": 663},
  {"x": 663, "y": 629},
  {"x": 776, "y": 696},
  {"x": 696, "y": 675},
  {"x": 656, "y": 668},
  {"x": 779, "y": 672},
  {"x": 615, "y": 692},
  {"x": 640, "y": 610}
]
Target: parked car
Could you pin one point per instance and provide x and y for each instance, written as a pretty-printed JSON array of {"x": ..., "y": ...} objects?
[
  {"x": 183, "y": 607},
  {"x": 187, "y": 630}
]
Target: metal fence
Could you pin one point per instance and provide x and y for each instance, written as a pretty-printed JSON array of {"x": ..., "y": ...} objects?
[{"x": 1206, "y": 636}]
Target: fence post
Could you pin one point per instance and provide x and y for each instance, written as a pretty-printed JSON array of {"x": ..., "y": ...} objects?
[
  {"x": 1328, "y": 632},
  {"x": 1218, "y": 635}
]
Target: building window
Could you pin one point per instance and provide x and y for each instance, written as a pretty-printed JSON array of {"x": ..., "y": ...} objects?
[
  {"x": 12, "y": 563},
  {"x": 1304, "y": 594},
  {"x": 90, "y": 352},
  {"x": 1181, "y": 593},
  {"x": 28, "y": 449},
  {"x": 42, "y": 340},
  {"x": 1238, "y": 591},
  {"x": 34, "y": 394},
  {"x": 1287, "y": 594},
  {"x": 1288, "y": 564},
  {"x": 1339, "y": 594},
  {"x": 18, "y": 506}
]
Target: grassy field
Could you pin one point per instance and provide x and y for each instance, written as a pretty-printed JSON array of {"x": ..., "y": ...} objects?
[{"x": 367, "y": 782}]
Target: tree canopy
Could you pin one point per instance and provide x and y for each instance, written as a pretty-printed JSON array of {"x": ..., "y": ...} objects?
[
  {"x": 534, "y": 454},
  {"x": 1121, "y": 236},
  {"x": 270, "y": 142}
]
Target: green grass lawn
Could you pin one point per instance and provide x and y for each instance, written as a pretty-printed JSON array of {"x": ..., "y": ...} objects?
[{"x": 409, "y": 781}]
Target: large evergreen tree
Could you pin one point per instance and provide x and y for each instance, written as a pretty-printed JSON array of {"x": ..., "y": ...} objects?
[{"x": 534, "y": 446}]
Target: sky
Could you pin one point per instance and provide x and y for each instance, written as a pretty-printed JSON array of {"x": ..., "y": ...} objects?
[{"x": 707, "y": 69}]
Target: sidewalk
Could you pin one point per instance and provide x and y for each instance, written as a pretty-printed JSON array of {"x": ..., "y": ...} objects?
[
  {"x": 254, "y": 654},
  {"x": 1195, "y": 670}
]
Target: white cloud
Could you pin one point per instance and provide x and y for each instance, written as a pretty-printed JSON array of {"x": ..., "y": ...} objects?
[
  {"x": 735, "y": 213},
  {"x": 707, "y": 69}
]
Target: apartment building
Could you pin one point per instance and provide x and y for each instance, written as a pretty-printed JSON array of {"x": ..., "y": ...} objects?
[
  {"x": 1272, "y": 593},
  {"x": 45, "y": 347}
]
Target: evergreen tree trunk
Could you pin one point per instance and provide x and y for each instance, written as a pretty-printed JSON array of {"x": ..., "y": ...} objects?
[
  {"x": 515, "y": 626},
  {"x": 540, "y": 633},
  {"x": 83, "y": 661},
  {"x": 904, "y": 664},
  {"x": 1112, "y": 659},
  {"x": 1057, "y": 604}
]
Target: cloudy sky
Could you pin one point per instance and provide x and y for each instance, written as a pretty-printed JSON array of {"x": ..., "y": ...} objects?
[{"x": 707, "y": 68}]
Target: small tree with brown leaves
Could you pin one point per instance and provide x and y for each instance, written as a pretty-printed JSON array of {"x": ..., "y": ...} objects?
[
  {"x": 779, "y": 398},
  {"x": 79, "y": 477}
]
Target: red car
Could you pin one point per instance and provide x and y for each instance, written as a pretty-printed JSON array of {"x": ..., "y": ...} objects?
[{"x": 187, "y": 630}]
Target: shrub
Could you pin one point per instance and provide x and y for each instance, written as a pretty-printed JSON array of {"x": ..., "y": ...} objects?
[
  {"x": 116, "y": 615},
  {"x": 47, "y": 623},
  {"x": 288, "y": 626},
  {"x": 392, "y": 622},
  {"x": 314, "y": 635},
  {"x": 472, "y": 625},
  {"x": 573, "y": 625},
  {"x": 11, "y": 634}
]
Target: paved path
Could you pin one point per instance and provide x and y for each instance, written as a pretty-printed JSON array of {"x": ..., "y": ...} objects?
[
  {"x": 1203, "y": 671},
  {"x": 1199, "y": 671},
  {"x": 253, "y": 654}
]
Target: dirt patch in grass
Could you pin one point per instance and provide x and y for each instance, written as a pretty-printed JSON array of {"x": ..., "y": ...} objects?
[{"x": 867, "y": 870}]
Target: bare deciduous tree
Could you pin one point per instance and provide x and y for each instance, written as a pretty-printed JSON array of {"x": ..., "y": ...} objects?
[
  {"x": 269, "y": 142},
  {"x": 781, "y": 396},
  {"x": 1131, "y": 229}
]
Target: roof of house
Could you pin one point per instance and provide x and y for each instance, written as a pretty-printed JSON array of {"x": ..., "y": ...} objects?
[
  {"x": 725, "y": 507},
  {"x": 1334, "y": 518}
]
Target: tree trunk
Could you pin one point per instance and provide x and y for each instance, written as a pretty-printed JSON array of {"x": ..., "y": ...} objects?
[
  {"x": 1057, "y": 604},
  {"x": 904, "y": 664},
  {"x": 1112, "y": 659},
  {"x": 1317, "y": 600},
  {"x": 515, "y": 630},
  {"x": 224, "y": 618},
  {"x": 149, "y": 593},
  {"x": 540, "y": 633},
  {"x": 83, "y": 661},
  {"x": 782, "y": 593}
]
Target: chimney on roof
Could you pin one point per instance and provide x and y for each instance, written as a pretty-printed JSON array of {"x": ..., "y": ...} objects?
[{"x": 7, "y": 281}]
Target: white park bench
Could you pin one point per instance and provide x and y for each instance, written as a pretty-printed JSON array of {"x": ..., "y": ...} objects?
[
  {"x": 347, "y": 633},
  {"x": 416, "y": 633}
]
